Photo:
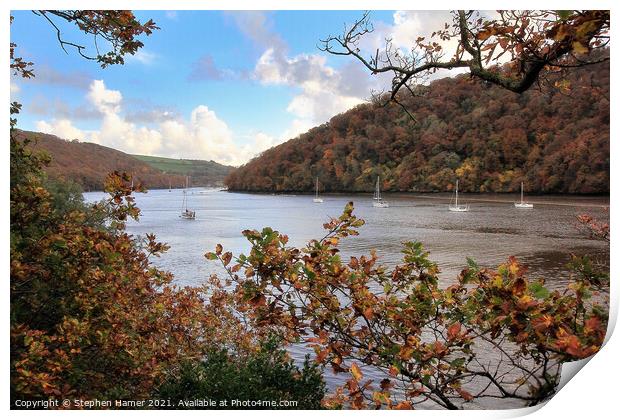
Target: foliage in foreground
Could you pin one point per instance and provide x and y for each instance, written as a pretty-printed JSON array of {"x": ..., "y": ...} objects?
[
  {"x": 267, "y": 375},
  {"x": 90, "y": 316},
  {"x": 492, "y": 334}
]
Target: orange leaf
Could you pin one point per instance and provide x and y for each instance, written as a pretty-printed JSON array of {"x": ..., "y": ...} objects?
[
  {"x": 454, "y": 331},
  {"x": 356, "y": 372},
  {"x": 466, "y": 395},
  {"x": 405, "y": 353},
  {"x": 394, "y": 371},
  {"x": 404, "y": 405}
]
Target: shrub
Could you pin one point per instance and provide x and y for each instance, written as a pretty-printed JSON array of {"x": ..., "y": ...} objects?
[{"x": 268, "y": 375}]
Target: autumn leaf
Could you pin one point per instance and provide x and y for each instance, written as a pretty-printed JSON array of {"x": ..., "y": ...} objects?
[
  {"x": 404, "y": 405},
  {"x": 454, "y": 331},
  {"x": 579, "y": 48},
  {"x": 485, "y": 34},
  {"x": 394, "y": 371},
  {"x": 465, "y": 395},
  {"x": 356, "y": 372},
  {"x": 405, "y": 353},
  {"x": 542, "y": 323},
  {"x": 386, "y": 384}
]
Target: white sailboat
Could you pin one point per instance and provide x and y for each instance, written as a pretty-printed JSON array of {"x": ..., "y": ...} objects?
[
  {"x": 523, "y": 204},
  {"x": 317, "y": 199},
  {"x": 456, "y": 206},
  {"x": 186, "y": 213},
  {"x": 378, "y": 201}
]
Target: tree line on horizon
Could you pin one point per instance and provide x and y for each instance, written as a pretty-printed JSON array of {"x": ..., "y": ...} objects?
[{"x": 491, "y": 139}]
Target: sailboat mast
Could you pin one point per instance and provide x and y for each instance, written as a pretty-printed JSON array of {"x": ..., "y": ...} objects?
[
  {"x": 185, "y": 194},
  {"x": 521, "y": 192},
  {"x": 457, "y": 193},
  {"x": 378, "y": 192},
  {"x": 317, "y": 188}
]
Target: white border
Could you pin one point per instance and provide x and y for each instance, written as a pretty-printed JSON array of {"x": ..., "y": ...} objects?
[{"x": 591, "y": 394}]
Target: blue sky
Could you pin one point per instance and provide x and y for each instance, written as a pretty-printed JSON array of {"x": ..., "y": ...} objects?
[{"x": 207, "y": 85}]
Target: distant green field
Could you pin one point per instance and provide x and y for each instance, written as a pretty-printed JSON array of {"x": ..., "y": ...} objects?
[{"x": 203, "y": 172}]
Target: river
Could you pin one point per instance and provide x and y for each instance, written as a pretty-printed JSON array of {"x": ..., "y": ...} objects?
[{"x": 542, "y": 238}]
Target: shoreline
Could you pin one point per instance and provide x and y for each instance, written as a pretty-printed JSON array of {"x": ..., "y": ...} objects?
[{"x": 576, "y": 200}]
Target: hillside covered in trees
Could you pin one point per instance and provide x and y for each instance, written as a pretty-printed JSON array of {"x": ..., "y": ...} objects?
[
  {"x": 87, "y": 164},
  {"x": 555, "y": 140},
  {"x": 201, "y": 172}
]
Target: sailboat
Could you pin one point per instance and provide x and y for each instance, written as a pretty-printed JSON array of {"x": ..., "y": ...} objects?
[
  {"x": 456, "y": 206},
  {"x": 523, "y": 204},
  {"x": 378, "y": 201},
  {"x": 187, "y": 214},
  {"x": 317, "y": 199}
]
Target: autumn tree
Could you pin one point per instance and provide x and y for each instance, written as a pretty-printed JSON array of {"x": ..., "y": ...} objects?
[
  {"x": 90, "y": 316},
  {"x": 117, "y": 29},
  {"x": 532, "y": 42},
  {"x": 492, "y": 334}
]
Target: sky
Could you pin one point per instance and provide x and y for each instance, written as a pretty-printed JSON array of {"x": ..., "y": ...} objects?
[{"x": 213, "y": 85}]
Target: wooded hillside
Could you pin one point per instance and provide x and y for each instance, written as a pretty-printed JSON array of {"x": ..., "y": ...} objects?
[
  {"x": 491, "y": 139},
  {"x": 87, "y": 164}
]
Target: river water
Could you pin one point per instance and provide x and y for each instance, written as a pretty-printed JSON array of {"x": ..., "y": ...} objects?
[{"x": 542, "y": 238}]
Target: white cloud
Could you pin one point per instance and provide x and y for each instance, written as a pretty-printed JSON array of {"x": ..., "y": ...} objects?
[
  {"x": 119, "y": 134},
  {"x": 203, "y": 136},
  {"x": 409, "y": 25},
  {"x": 61, "y": 128},
  {"x": 143, "y": 57},
  {"x": 14, "y": 88},
  {"x": 255, "y": 24},
  {"x": 324, "y": 90},
  {"x": 105, "y": 100}
]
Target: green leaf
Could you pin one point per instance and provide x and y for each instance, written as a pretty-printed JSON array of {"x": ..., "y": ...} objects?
[
  {"x": 458, "y": 363},
  {"x": 538, "y": 290},
  {"x": 564, "y": 14},
  {"x": 472, "y": 264}
]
